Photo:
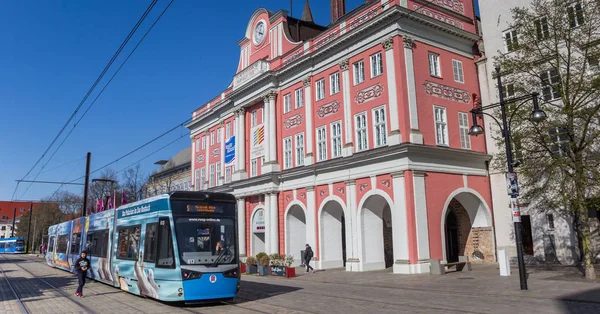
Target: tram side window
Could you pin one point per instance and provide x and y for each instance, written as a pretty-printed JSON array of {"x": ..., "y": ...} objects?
[
  {"x": 150, "y": 243},
  {"x": 129, "y": 242},
  {"x": 1, "y": 245},
  {"x": 165, "y": 244},
  {"x": 75, "y": 243},
  {"x": 62, "y": 243},
  {"x": 97, "y": 243},
  {"x": 51, "y": 244}
]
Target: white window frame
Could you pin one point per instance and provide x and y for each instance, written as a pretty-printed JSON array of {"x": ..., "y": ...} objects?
[
  {"x": 441, "y": 125},
  {"x": 572, "y": 9},
  {"x": 376, "y": 64},
  {"x": 197, "y": 180},
  {"x": 299, "y": 96},
  {"x": 336, "y": 139},
  {"x": 552, "y": 86},
  {"x": 227, "y": 130},
  {"x": 358, "y": 69},
  {"x": 457, "y": 69},
  {"x": 334, "y": 83},
  {"x": 254, "y": 118},
  {"x": 228, "y": 172},
  {"x": 287, "y": 103},
  {"x": 379, "y": 126},
  {"x": 299, "y": 148},
  {"x": 212, "y": 138},
  {"x": 218, "y": 171},
  {"x": 203, "y": 142},
  {"x": 514, "y": 40},
  {"x": 435, "y": 68},
  {"x": 211, "y": 178},
  {"x": 254, "y": 167},
  {"x": 320, "y": 89},
  {"x": 203, "y": 178},
  {"x": 361, "y": 131},
  {"x": 463, "y": 127},
  {"x": 287, "y": 152},
  {"x": 197, "y": 145},
  {"x": 219, "y": 133},
  {"x": 542, "y": 30},
  {"x": 321, "y": 135}
]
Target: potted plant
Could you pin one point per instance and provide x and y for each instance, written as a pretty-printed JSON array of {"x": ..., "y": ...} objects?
[
  {"x": 264, "y": 268},
  {"x": 251, "y": 265},
  {"x": 290, "y": 271}
]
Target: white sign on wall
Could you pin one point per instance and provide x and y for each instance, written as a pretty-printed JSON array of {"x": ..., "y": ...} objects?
[
  {"x": 258, "y": 222},
  {"x": 257, "y": 141}
]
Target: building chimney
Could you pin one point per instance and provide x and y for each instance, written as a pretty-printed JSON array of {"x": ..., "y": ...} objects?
[{"x": 338, "y": 9}]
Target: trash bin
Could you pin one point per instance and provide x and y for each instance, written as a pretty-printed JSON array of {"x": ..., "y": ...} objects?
[{"x": 302, "y": 261}]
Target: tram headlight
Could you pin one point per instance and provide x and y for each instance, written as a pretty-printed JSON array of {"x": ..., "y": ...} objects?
[
  {"x": 232, "y": 273},
  {"x": 187, "y": 274}
]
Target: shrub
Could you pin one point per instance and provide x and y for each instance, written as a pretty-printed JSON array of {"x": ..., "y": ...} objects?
[
  {"x": 289, "y": 260},
  {"x": 264, "y": 260},
  {"x": 251, "y": 260},
  {"x": 260, "y": 255}
]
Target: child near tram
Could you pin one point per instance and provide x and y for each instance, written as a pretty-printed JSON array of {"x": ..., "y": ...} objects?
[{"x": 81, "y": 267}]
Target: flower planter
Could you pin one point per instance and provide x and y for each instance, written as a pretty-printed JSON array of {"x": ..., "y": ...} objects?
[
  {"x": 283, "y": 271},
  {"x": 242, "y": 268},
  {"x": 264, "y": 270},
  {"x": 251, "y": 269}
]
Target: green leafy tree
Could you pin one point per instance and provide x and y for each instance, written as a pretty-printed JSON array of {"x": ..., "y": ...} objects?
[
  {"x": 555, "y": 51},
  {"x": 45, "y": 214}
]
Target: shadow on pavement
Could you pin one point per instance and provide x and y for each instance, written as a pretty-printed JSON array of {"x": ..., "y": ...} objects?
[
  {"x": 582, "y": 302},
  {"x": 30, "y": 288}
]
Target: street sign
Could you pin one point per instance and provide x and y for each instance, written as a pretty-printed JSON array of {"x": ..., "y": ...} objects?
[{"x": 512, "y": 184}]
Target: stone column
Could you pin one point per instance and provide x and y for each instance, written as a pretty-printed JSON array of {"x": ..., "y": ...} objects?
[
  {"x": 348, "y": 149},
  {"x": 352, "y": 259},
  {"x": 394, "y": 137},
  {"x": 274, "y": 218},
  {"x": 421, "y": 222},
  {"x": 311, "y": 222},
  {"x": 415, "y": 134},
  {"x": 221, "y": 179},
  {"x": 207, "y": 159},
  {"x": 308, "y": 160},
  {"x": 241, "y": 215},
  {"x": 270, "y": 134},
  {"x": 400, "y": 225},
  {"x": 193, "y": 176},
  {"x": 240, "y": 145}
]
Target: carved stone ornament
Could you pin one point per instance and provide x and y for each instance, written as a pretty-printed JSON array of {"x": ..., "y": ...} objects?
[
  {"x": 341, "y": 190},
  {"x": 386, "y": 183},
  {"x": 369, "y": 93},
  {"x": 306, "y": 81},
  {"x": 363, "y": 186},
  {"x": 288, "y": 198},
  {"x": 269, "y": 96},
  {"x": 409, "y": 42},
  {"x": 240, "y": 112},
  {"x": 216, "y": 152},
  {"x": 200, "y": 158},
  {"x": 388, "y": 43},
  {"x": 293, "y": 121},
  {"x": 344, "y": 65},
  {"x": 446, "y": 92},
  {"x": 328, "y": 109}
]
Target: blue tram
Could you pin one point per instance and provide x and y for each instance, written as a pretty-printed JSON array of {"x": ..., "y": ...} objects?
[
  {"x": 12, "y": 245},
  {"x": 179, "y": 247}
]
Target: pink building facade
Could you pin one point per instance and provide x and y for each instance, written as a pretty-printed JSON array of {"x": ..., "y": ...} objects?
[{"x": 353, "y": 137}]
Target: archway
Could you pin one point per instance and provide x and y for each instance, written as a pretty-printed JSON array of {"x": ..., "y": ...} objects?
[
  {"x": 258, "y": 232},
  {"x": 467, "y": 229},
  {"x": 333, "y": 235},
  {"x": 295, "y": 231},
  {"x": 377, "y": 245}
]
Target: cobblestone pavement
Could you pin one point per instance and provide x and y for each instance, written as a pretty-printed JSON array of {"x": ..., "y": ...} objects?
[{"x": 333, "y": 291}]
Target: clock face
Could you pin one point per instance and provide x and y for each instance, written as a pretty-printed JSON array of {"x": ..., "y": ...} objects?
[{"x": 259, "y": 32}]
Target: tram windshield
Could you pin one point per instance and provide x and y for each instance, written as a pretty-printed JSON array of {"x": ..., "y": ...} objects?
[
  {"x": 206, "y": 241},
  {"x": 20, "y": 243}
]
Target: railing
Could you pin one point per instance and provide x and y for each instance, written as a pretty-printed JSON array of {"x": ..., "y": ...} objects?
[{"x": 254, "y": 70}]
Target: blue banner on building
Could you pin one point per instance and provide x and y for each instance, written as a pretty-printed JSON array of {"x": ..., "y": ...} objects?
[{"x": 230, "y": 150}]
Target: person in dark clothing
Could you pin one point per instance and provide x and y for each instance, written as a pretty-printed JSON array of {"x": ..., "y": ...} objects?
[
  {"x": 308, "y": 254},
  {"x": 81, "y": 267}
]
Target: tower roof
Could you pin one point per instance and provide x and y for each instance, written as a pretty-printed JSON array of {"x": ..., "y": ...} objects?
[{"x": 307, "y": 13}]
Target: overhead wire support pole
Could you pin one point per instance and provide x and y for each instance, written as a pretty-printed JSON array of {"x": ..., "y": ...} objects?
[
  {"x": 86, "y": 184},
  {"x": 29, "y": 227}
]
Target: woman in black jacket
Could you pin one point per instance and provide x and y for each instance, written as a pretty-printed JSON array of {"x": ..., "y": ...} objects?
[{"x": 81, "y": 267}]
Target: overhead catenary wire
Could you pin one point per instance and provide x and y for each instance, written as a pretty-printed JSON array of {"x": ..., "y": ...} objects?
[{"x": 106, "y": 68}]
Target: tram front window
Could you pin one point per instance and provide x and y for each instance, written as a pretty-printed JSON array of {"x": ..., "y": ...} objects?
[
  {"x": 20, "y": 244},
  {"x": 206, "y": 241}
]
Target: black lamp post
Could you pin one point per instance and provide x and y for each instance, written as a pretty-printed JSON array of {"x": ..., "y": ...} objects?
[{"x": 537, "y": 115}]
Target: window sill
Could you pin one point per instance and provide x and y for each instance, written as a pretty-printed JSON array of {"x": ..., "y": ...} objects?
[{"x": 435, "y": 76}]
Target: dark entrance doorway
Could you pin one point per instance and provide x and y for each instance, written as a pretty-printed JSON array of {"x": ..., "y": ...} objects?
[
  {"x": 452, "y": 241},
  {"x": 388, "y": 245},
  {"x": 526, "y": 234},
  {"x": 344, "y": 240}
]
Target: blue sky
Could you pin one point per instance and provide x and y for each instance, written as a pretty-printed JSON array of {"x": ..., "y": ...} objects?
[{"x": 54, "y": 50}]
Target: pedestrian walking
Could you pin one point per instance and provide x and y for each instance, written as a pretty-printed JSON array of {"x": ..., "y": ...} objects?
[
  {"x": 308, "y": 254},
  {"x": 81, "y": 267},
  {"x": 43, "y": 250}
]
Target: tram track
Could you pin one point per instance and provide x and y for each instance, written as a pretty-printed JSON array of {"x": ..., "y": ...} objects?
[
  {"x": 17, "y": 296},
  {"x": 54, "y": 288}
]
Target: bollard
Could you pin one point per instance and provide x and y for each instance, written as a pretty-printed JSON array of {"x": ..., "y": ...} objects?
[{"x": 504, "y": 263}]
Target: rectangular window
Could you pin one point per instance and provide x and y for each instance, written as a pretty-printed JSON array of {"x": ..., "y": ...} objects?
[
  {"x": 511, "y": 41},
  {"x": 457, "y": 68},
  {"x": 211, "y": 176},
  {"x": 334, "y": 83},
  {"x": 197, "y": 145},
  {"x": 434, "y": 65},
  {"x": 219, "y": 133},
  {"x": 61, "y": 246},
  {"x": 212, "y": 138},
  {"x": 254, "y": 167},
  {"x": 96, "y": 243},
  {"x": 550, "y": 218},
  {"x": 228, "y": 174},
  {"x": 75, "y": 243},
  {"x": 218, "y": 173},
  {"x": 287, "y": 153},
  {"x": 441, "y": 126},
  {"x": 593, "y": 62},
  {"x": 254, "y": 118},
  {"x": 227, "y": 130},
  {"x": 321, "y": 144},
  {"x": 150, "y": 242},
  {"x": 128, "y": 243},
  {"x": 550, "y": 84},
  {"x": 575, "y": 13},
  {"x": 320, "y": 89},
  {"x": 299, "y": 149},
  {"x": 508, "y": 90},
  {"x": 299, "y": 94},
  {"x": 359, "y": 72},
  {"x": 361, "y": 131},
  {"x": 51, "y": 244},
  {"x": 165, "y": 244},
  {"x": 336, "y": 139},
  {"x": 376, "y": 65},
  {"x": 203, "y": 142},
  {"x": 287, "y": 103},
  {"x": 541, "y": 28},
  {"x": 202, "y": 178},
  {"x": 379, "y": 126},
  {"x": 463, "y": 124}
]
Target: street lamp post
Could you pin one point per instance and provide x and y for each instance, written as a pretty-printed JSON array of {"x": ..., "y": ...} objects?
[{"x": 537, "y": 115}]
